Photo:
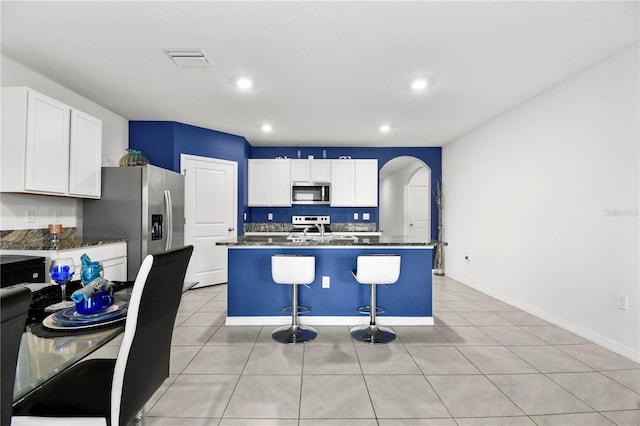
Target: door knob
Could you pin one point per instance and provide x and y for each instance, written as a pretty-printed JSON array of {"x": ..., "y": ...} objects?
[{"x": 231, "y": 228}]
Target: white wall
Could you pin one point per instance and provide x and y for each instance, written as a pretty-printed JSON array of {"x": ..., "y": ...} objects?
[
  {"x": 115, "y": 139},
  {"x": 392, "y": 210},
  {"x": 420, "y": 179},
  {"x": 13, "y": 208},
  {"x": 544, "y": 199}
]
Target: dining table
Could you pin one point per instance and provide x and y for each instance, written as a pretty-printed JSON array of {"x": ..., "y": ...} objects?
[{"x": 45, "y": 352}]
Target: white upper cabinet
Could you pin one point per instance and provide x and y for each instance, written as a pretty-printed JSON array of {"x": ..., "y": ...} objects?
[
  {"x": 366, "y": 184},
  {"x": 48, "y": 147},
  {"x": 342, "y": 183},
  {"x": 85, "y": 155},
  {"x": 311, "y": 171},
  {"x": 354, "y": 183},
  {"x": 269, "y": 183}
]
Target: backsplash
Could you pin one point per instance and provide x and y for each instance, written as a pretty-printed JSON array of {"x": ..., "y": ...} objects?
[
  {"x": 267, "y": 227},
  {"x": 338, "y": 214},
  {"x": 286, "y": 227}
]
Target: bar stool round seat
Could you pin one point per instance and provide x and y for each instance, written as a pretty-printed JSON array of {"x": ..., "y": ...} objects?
[
  {"x": 373, "y": 270},
  {"x": 294, "y": 270}
]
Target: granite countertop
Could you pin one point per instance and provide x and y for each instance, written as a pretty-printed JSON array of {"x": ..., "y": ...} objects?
[
  {"x": 328, "y": 241},
  {"x": 278, "y": 227},
  {"x": 39, "y": 239}
]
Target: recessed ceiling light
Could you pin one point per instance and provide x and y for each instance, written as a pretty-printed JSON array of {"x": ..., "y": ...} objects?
[
  {"x": 244, "y": 83},
  {"x": 419, "y": 84},
  {"x": 267, "y": 128},
  {"x": 385, "y": 128}
]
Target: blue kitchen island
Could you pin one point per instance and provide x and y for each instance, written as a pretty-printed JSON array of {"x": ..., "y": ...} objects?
[{"x": 254, "y": 299}]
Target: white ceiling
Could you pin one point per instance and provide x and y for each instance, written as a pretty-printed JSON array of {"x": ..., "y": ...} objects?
[{"x": 326, "y": 73}]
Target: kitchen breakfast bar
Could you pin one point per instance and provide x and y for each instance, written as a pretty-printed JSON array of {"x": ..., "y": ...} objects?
[{"x": 334, "y": 295}]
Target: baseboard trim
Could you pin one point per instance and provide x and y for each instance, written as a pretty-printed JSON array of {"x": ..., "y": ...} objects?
[
  {"x": 596, "y": 338},
  {"x": 328, "y": 320}
]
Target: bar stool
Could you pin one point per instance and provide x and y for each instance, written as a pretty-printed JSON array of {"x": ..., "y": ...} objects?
[
  {"x": 374, "y": 270},
  {"x": 293, "y": 270}
]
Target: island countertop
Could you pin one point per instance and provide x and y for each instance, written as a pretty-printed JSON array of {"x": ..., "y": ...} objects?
[
  {"x": 326, "y": 241},
  {"x": 334, "y": 295}
]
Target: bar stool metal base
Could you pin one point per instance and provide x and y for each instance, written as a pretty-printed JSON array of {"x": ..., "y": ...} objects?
[
  {"x": 367, "y": 310},
  {"x": 294, "y": 334},
  {"x": 372, "y": 334},
  {"x": 301, "y": 309}
]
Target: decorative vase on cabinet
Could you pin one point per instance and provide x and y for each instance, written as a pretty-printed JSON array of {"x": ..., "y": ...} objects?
[{"x": 133, "y": 158}]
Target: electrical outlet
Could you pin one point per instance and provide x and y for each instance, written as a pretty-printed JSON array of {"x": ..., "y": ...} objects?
[
  {"x": 244, "y": 216},
  {"x": 366, "y": 216},
  {"x": 30, "y": 216},
  {"x": 326, "y": 282},
  {"x": 623, "y": 302},
  {"x": 269, "y": 216},
  {"x": 355, "y": 216}
]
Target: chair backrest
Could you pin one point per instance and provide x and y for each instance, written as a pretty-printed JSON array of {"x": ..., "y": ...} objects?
[
  {"x": 378, "y": 269},
  {"x": 143, "y": 360},
  {"x": 14, "y": 306},
  {"x": 293, "y": 269}
]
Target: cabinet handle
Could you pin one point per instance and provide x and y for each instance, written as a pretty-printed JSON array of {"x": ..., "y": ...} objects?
[{"x": 231, "y": 228}]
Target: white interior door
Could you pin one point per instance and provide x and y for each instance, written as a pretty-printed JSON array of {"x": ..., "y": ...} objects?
[
  {"x": 211, "y": 194},
  {"x": 418, "y": 209}
]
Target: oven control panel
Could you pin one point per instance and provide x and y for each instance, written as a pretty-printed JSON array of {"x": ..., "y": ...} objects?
[{"x": 310, "y": 220}]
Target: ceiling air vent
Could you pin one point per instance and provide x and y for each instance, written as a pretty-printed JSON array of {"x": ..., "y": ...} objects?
[{"x": 189, "y": 57}]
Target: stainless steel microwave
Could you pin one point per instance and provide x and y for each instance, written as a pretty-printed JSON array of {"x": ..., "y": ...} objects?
[{"x": 310, "y": 193}]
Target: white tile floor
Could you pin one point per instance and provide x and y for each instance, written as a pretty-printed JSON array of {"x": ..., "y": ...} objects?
[{"x": 483, "y": 363}]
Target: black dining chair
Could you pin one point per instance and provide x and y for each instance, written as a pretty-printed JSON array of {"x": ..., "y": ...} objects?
[
  {"x": 114, "y": 391},
  {"x": 14, "y": 306}
]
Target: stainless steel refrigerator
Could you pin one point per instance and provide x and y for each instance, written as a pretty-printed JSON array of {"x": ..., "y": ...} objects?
[{"x": 143, "y": 204}]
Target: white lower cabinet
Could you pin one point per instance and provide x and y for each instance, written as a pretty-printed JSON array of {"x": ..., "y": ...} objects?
[{"x": 113, "y": 257}]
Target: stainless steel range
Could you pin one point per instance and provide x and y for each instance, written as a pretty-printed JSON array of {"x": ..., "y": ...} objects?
[{"x": 310, "y": 225}]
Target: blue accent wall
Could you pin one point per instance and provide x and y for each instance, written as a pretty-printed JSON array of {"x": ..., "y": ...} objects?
[
  {"x": 252, "y": 291},
  {"x": 431, "y": 156},
  {"x": 162, "y": 142},
  {"x": 338, "y": 214},
  {"x": 155, "y": 139}
]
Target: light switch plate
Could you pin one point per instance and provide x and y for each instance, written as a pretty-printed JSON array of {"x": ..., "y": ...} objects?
[{"x": 366, "y": 216}]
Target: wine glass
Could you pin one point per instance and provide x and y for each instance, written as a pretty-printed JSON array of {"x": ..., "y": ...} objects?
[{"x": 61, "y": 272}]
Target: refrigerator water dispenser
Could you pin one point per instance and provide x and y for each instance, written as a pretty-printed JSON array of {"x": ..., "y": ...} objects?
[{"x": 156, "y": 227}]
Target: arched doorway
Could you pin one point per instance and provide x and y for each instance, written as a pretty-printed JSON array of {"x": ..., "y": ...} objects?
[{"x": 405, "y": 198}]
